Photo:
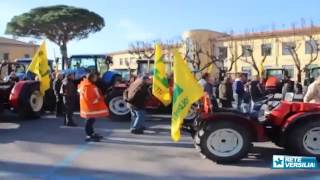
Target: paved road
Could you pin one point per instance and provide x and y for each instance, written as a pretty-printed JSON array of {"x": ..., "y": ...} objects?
[{"x": 43, "y": 149}]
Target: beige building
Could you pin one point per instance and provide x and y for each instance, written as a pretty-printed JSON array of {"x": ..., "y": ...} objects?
[
  {"x": 246, "y": 52},
  {"x": 122, "y": 60},
  {"x": 11, "y": 49},
  {"x": 278, "y": 49}
]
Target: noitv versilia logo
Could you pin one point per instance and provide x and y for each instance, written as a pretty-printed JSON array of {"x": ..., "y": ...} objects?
[{"x": 294, "y": 162}]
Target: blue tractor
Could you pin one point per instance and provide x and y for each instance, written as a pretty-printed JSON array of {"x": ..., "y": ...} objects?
[{"x": 111, "y": 82}]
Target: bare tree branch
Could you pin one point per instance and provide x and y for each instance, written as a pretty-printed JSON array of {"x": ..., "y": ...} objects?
[
  {"x": 314, "y": 52},
  {"x": 142, "y": 49}
]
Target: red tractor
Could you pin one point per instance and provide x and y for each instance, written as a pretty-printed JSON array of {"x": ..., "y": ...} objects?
[
  {"x": 226, "y": 135},
  {"x": 23, "y": 96},
  {"x": 274, "y": 79}
]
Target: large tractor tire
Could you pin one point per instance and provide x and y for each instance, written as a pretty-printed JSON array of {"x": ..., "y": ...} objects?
[
  {"x": 118, "y": 108},
  {"x": 304, "y": 139},
  {"x": 30, "y": 102},
  {"x": 223, "y": 141}
]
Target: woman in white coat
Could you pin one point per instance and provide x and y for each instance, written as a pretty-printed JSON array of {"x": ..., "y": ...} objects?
[{"x": 313, "y": 92}]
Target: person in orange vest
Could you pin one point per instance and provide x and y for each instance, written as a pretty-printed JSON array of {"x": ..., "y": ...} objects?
[{"x": 92, "y": 105}]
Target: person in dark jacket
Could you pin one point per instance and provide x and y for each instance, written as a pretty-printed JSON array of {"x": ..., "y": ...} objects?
[
  {"x": 209, "y": 89},
  {"x": 239, "y": 89},
  {"x": 226, "y": 93},
  {"x": 56, "y": 89},
  {"x": 137, "y": 105},
  {"x": 256, "y": 89},
  {"x": 288, "y": 86},
  {"x": 69, "y": 93}
]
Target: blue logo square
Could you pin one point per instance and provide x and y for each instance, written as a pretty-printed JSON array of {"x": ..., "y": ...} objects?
[{"x": 294, "y": 162}]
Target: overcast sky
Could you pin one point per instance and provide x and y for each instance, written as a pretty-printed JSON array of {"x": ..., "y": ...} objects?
[{"x": 131, "y": 20}]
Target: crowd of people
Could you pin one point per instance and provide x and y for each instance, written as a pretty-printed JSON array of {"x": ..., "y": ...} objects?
[
  {"x": 92, "y": 103},
  {"x": 233, "y": 93},
  {"x": 228, "y": 93}
]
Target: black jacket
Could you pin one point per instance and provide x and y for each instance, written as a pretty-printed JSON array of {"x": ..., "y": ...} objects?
[
  {"x": 225, "y": 91},
  {"x": 68, "y": 91},
  {"x": 256, "y": 91}
]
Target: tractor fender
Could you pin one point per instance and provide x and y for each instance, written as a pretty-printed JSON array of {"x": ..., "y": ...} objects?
[
  {"x": 297, "y": 118},
  {"x": 257, "y": 130},
  {"x": 17, "y": 90},
  {"x": 116, "y": 89}
]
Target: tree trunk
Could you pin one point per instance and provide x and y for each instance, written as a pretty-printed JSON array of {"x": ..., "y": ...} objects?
[
  {"x": 299, "y": 75},
  {"x": 64, "y": 55}
]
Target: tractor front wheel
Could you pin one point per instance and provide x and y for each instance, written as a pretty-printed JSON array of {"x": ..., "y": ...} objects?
[
  {"x": 304, "y": 139},
  {"x": 223, "y": 142}
]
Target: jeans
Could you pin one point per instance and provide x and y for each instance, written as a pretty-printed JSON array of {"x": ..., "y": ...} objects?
[
  {"x": 137, "y": 119},
  {"x": 68, "y": 114},
  {"x": 89, "y": 126},
  {"x": 239, "y": 102}
]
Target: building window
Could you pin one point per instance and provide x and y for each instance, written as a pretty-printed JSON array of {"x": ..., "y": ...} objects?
[
  {"x": 223, "y": 52},
  {"x": 246, "y": 50},
  {"x": 287, "y": 46},
  {"x": 6, "y": 56},
  {"x": 120, "y": 61},
  {"x": 26, "y": 56},
  {"x": 311, "y": 46},
  {"x": 266, "y": 49}
]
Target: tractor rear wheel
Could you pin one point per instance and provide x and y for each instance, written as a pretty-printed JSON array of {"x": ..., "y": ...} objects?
[
  {"x": 304, "y": 139},
  {"x": 223, "y": 142},
  {"x": 30, "y": 102},
  {"x": 118, "y": 108}
]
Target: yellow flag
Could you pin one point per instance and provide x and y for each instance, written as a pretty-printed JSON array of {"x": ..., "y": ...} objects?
[
  {"x": 160, "y": 85},
  {"x": 186, "y": 92},
  {"x": 39, "y": 66}
]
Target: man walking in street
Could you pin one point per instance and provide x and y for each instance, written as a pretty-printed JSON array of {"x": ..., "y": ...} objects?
[
  {"x": 69, "y": 92},
  {"x": 136, "y": 95},
  {"x": 59, "y": 99}
]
